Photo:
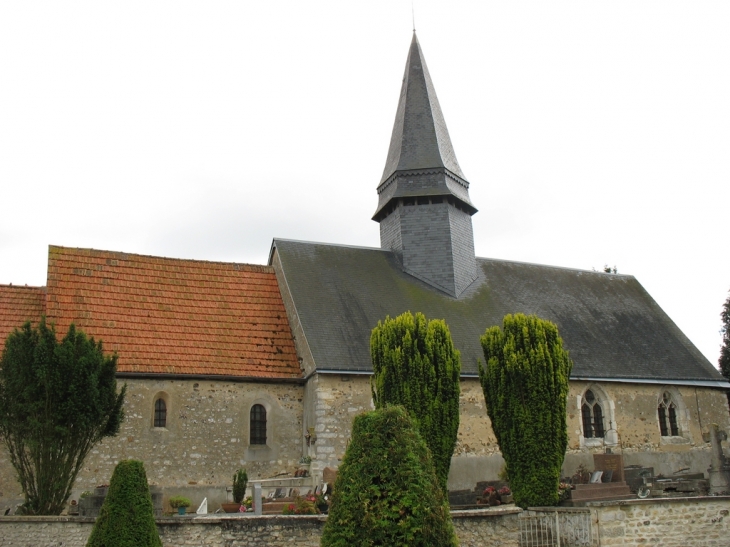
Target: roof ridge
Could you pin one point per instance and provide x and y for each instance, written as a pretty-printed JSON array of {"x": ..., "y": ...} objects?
[
  {"x": 124, "y": 256},
  {"x": 33, "y": 287},
  {"x": 569, "y": 268}
]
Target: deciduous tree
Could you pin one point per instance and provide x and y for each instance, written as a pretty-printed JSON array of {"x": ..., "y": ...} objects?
[
  {"x": 57, "y": 400},
  {"x": 416, "y": 365},
  {"x": 525, "y": 384}
]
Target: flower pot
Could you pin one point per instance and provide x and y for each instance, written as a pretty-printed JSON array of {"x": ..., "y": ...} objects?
[
  {"x": 231, "y": 507},
  {"x": 181, "y": 510},
  {"x": 507, "y": 498}
]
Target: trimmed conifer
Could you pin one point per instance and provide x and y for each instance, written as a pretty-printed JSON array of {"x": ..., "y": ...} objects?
[
  {"x": 57, "y": 401},
  {"x": 525, "y": 384},
  {"x": 387, "y": 492},
  {"x": 127, "y": 516},
  {"x": 416, "y": 365}
]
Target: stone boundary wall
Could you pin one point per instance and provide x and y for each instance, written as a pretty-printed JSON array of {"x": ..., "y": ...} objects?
[
  {"x": 671, "y": 522},
  {"x": 674, "y": 522},
  {"x": 495, "y": 527}
]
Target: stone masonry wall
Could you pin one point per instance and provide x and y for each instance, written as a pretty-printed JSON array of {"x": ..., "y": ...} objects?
[
  {"x": 686, "y": 522},
  {"x": 205, "y": 440},
  {"x": 339, "y": 398},
  {"x": 497, "y": 527}
]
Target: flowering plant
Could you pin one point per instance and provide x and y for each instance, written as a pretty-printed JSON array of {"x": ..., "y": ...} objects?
[
  {"x": 488, "y": 490},
  {"x": 301, "y": 506},
  {"x": 504, "y": 491},
  {"x": 564, "y": 489}
]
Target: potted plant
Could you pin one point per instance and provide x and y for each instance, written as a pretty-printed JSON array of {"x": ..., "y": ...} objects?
[
  {"x": 240, "y": 481},
  {"x": 181, "y": 503},
  {"x": 505, "y": 495}
]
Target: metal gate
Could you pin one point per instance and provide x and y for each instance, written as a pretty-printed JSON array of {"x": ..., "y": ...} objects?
[{"x": 563, "y": 527}]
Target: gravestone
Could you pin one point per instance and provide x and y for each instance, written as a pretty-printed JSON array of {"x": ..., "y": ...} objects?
[
  {"x": 610, "y": 462},
  {"x": 329, "y": 475}
]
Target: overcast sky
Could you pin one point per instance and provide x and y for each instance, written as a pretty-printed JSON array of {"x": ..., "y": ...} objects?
[{"x": 592, "y": 133}]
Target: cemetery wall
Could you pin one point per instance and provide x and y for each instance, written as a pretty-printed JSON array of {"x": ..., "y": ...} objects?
[
  {"x": 679, "y": 522},
  {"x": 497, "y": 527}
]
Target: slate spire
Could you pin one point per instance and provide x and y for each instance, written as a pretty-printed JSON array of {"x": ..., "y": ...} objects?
[
  {"x": 420, "y": 137},
  {"x": 424, "y": 208}
]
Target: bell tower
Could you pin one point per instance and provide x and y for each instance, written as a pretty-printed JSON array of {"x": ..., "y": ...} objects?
[{"x": 424, "y": 209}]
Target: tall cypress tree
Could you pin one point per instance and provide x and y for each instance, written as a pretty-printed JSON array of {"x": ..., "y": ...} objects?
[
  {"x": 416, "y": 365},
  {"x": 525, "y": 384}
]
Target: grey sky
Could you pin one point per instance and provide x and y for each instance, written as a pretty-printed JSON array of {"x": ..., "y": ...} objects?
[{"x": 591, "y": 133}]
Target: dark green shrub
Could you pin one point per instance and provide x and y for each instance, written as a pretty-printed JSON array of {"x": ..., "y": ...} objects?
[
  {"x": 57, "y": 401},
  {"x": 525, "y": 384},
  {"x": 127, "y": 517},
  {"x": 416, "y": 365},
  {"x": 240, "y": 481},
  {"x": 387, "y": 492}
]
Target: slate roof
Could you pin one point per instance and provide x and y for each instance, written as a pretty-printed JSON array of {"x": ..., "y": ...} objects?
[
  {"x": 609, "y": 323},
  {"x": 18, "y": 305},
  {"x": 420, "y": 144},
  {"x": 420, "y": 138},
  {"x": 174, "y": 316}
]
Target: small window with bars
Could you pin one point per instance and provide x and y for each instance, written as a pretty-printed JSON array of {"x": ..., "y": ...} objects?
[
  {"x": 667, "y": 412},
  {"x": 160, "y": 413},
  {"x": 258, "y": 424},
  {"x": 592, "y": 414}
]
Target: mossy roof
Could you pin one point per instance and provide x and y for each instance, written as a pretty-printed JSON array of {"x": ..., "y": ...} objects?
[{"x": 609, "y": 323}]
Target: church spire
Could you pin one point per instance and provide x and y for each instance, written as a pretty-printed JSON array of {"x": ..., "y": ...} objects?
[
  {"x": 420, "y": 138},
  {"x": 424, "y": 208}
]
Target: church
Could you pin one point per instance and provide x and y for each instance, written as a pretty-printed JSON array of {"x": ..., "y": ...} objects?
[{"x": 236, "y": 365}]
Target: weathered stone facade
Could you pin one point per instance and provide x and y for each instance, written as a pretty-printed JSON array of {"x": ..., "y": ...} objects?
[
  {"x": 206, "y": 437},
  {"x": 631, "y": 409}
]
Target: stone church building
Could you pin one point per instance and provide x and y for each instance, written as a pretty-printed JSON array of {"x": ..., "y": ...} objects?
[{"x": 231, "y": 365}]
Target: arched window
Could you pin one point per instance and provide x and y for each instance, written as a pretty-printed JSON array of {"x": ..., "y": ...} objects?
[
  {"x": 160, "y": 413},
  {"x": 667, "y": 411},
  {"x": 592, "y": 413},
  {"x": 258, "y": 424}
]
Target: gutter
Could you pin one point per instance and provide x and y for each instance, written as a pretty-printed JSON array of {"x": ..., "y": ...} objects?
[
  {"x": 211, "y": 377},
  {"x": 722, "y": 384}
]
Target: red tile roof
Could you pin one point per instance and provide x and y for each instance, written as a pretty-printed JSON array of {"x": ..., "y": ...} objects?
[
  {"x": 174, "y": 316},
  {"x": 18, "y": 305}
]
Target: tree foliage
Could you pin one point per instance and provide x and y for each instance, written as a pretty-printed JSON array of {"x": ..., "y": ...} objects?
[
  {"x": 416, "y": 365},
  {"x": 724, "y": 360},
  {"x": 525, "y": 384},
  {"x": 127, "y": 517},
  {"x": 57, "y": 400},
  {"x": 387, "y": 492}
]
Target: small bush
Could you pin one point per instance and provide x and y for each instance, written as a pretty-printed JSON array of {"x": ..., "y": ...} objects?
[
  {"x": 127, "y": 517},
  {"x": 240, "y": 481},
  {"x": 179, "y": 501},
  {"x": 387, "y": 491}
]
